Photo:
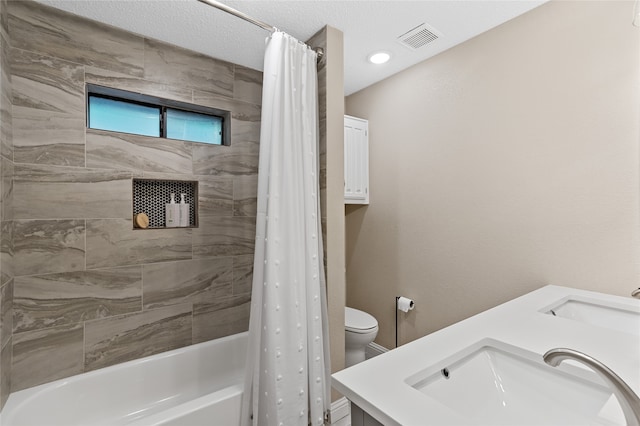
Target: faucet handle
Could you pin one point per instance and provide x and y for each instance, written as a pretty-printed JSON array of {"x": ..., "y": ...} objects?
[{"x": 636, "y": 293}]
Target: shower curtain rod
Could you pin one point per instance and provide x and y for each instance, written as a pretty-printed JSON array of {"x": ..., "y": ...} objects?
[
  {"x": 238, "y": 14},
  {"x": 319, "y": 51}
]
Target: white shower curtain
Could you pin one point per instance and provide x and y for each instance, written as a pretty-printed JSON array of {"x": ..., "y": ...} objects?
[{"x": 288, "y": 379}]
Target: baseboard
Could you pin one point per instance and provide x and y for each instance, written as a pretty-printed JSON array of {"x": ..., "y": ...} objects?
[
  {"x": 373, "y": 349},
  {"x": 340, "y": 412}
]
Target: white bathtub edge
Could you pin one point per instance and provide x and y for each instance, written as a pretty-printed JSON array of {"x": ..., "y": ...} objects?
[
  {"x": 30, "y": 400},
  {"x": 200, "y": 411}
]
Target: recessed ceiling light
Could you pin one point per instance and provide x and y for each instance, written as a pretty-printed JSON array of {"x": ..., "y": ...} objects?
[{"x": 379, "y": 58}]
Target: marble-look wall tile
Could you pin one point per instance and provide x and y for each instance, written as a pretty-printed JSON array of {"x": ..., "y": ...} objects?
[
  {"x": 5, "y": 372},
  {"x": 215, "y": 207},
  {"x": 224, "y": 236},
  {"x": 322, "y": 149},
  {"x": 33, "y": 146},
  {"x": 245, "y": 195},
  {"x": 136, "y": 84},
  {"x": 6, "y": 132},
  {"x": 215, "y": 196},
  {"x": 46, "y": 355},
  {"x": 172, "y": 283},
  {"x": 245, "y": 128},
  {"x": 45, "y": 301},
  {"x": 245, "y": 116},
  {"x": 48, "y": 109},
  {"x": 114, "y": 242},
  {"x": 323, "y": 222},
  {"x": 6, "y": 251},
  {"x": 119, "y": 339},
  {"x": 220, "y": 317},
  {"x": 5, "y": 65},
  {"x": 242, "y": 274},
  {"x": 43, "y": 192},
  {"x": 42, "y": 29},
  {"x": 214, "y": 160},
  {"x": 48, "y": 246},
  {"x": 47, "y": 83},
  {"x": 239, "y": 159},
  {"x": 168, "y": 176},
  {"x": 6, "y": 126},
  {"x": 4, "y": 17},
  {"x": 6, "y": 312},
  {"x": 112, "y": 150},
  {"x": 176, "y": 66},
  {"x": 250, "y": 153},
  {"x": 323, "y": 203},
  {"x": 247, "y": 85},
  {"x": 320, "y": 40},
  {"x": 6, "y": 163},
  {"x": 6, "y": 194}
]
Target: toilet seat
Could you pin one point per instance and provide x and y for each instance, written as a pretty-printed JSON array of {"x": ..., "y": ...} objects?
[{"x": 356, "y": 321}]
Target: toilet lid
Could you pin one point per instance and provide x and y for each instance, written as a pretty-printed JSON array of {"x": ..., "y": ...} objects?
[{"x": 357, "y": 321}]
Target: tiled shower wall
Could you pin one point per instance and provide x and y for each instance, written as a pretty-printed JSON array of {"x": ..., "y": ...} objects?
[
  {"x": 89, "y": 291},
  {"x": 6, "y": 171}
]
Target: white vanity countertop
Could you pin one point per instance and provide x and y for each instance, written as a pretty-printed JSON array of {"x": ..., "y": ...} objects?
[{"x": 378, "y": 385}]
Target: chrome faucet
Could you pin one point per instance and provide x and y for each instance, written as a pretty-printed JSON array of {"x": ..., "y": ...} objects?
[
  {"x": 636, "y": 293},
  {"x": 628, "y": 400}
]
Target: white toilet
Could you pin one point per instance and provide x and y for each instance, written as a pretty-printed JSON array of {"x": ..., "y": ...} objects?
[{"x": 360, "y": 330}]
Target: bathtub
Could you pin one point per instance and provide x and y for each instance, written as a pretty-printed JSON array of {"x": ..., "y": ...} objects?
[{"x": 196, "y": 385}]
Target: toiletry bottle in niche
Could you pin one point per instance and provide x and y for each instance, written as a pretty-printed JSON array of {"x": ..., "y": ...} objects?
[
  {"x": 172, "y": 213},
  {"x": 184, "y": 211}
]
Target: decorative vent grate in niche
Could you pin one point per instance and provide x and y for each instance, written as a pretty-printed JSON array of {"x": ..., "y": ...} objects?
[
  {"x": 419, "y": 36},
  {"x": 151, "y": 195}
]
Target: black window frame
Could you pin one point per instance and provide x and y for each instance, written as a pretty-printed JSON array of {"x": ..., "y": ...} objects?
[{"x": 93, "y": 90}]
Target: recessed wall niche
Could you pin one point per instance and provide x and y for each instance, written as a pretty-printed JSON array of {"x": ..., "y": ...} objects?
[{"x": 151, "y": 195}]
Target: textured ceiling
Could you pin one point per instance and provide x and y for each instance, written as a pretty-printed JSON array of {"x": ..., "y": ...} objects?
[{"x": 367, "y": 26}]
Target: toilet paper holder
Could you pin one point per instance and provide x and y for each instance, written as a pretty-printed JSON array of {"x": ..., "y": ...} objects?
[{"x": 405, "y": 305}]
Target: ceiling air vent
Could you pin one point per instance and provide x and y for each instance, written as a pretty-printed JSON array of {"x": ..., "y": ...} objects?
[{"x": 419, "y": 36}]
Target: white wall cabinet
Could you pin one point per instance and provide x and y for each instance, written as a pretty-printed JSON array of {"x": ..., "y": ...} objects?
[{"x": 356, "y": 160}]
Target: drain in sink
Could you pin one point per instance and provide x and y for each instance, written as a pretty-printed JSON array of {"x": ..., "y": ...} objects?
[{"x": 445, "y": 373}]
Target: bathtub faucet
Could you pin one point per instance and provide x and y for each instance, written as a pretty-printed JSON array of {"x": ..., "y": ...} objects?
[
  {"x": 628, "y": 400},
  {"x": 636, "y": 293}
]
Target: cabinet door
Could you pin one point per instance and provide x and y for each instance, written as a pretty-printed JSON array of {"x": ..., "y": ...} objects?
[{"x": 356, "y": 160}]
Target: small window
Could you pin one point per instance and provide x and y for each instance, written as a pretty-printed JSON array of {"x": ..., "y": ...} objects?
[
  {"x": 123, "y": 116},
  {"x": 120, "y": 111},
  {"x": 192, "y": 126}
]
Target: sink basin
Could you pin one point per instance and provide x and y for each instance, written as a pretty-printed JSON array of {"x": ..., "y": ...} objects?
[
  {"x": 497, "y": 384},
  {"x": 597, "y": 313}
]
